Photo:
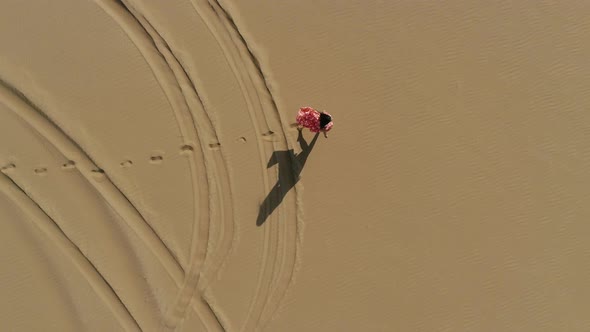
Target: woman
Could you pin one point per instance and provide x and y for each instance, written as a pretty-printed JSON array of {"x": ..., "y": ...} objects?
[{"x": 315, "y": 121}]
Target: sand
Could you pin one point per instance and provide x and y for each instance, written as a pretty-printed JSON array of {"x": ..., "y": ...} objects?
[{"x": 152, "y": 179}]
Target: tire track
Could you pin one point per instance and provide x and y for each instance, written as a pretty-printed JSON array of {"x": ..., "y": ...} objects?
[
  {"x": 53, "y": 232},
  {"x": 276, "y": 275},
  {"x": 234, "y": 57},
  {"x": 212, "y": 160},
  {"x": 203, "y": 207},
  {"x": 270, "y": 243},
  {"x": 213, "y": 19},
  {"x": 280, "y": 236},
  {"x": 95, "y": 177}
]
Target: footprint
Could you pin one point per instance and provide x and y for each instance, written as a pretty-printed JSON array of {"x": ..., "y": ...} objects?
[
  {"x": 69, "y": 165},
  {"x": 241, "y": 140},
  {"x": 186, "y": 149},
  {"x": 126, "y": 163},
  {"x": 98, "y": 174},
  {"x": 40, "y": 170},
  {"x": 215, "y": 146},
  {"x": 269, "y": 136},
  {"x": 156, "y": 159},
  {"x": 8, "y": 168}
]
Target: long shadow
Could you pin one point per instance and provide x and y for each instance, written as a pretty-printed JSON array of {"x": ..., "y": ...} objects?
[{"x": 290, "y": 167}]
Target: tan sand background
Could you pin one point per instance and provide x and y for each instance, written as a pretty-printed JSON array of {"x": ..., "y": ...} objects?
[{"x": 452, "y": 194}]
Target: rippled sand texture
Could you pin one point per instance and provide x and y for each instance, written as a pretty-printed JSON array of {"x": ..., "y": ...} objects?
[{"x": 150, "y": 169}]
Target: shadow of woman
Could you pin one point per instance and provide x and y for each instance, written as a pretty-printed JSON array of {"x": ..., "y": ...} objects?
[{"x": 290, "y": 167}]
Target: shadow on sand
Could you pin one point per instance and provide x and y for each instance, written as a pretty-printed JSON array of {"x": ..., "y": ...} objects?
[{"x": 288, "y": 175}]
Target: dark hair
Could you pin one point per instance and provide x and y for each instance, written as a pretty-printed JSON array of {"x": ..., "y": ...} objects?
[{"x": 324, "y": 120}]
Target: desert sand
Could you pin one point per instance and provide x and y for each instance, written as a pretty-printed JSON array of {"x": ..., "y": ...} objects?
[{"x": 152, "y": 179}]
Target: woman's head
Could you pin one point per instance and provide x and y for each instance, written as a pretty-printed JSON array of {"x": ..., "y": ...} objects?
[{"x": 325, "y": 119}]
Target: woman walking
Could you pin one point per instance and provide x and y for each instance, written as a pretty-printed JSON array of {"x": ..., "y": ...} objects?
[{"x": 314, "y": 121}]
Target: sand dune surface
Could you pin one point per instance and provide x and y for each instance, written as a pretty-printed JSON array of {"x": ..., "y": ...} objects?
[{"x": 152, "y": 177}]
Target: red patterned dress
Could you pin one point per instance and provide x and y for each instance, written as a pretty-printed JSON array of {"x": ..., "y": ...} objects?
[{"x": 314, "y": 120}]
